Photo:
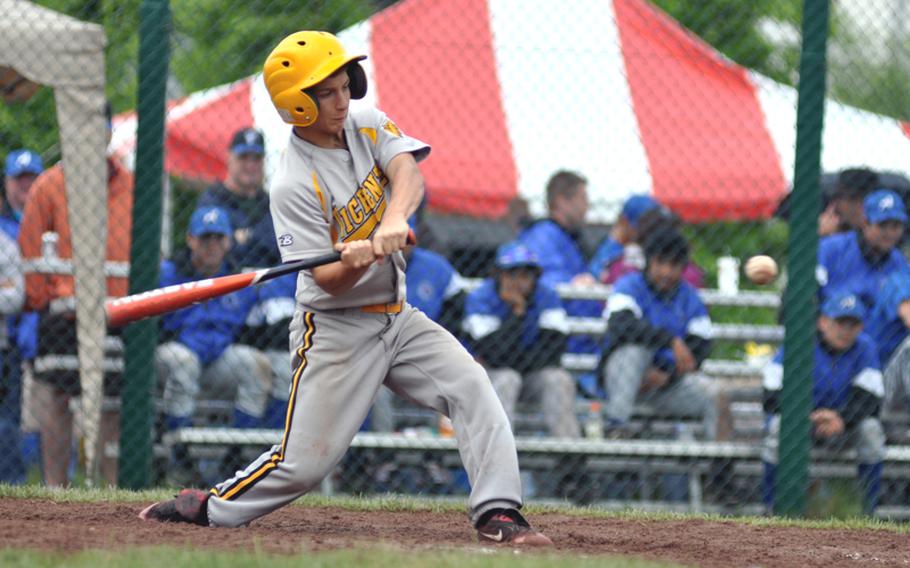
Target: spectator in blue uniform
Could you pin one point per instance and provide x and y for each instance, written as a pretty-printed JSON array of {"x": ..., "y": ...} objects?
[
  {"x": 242, "y": 196},
  {"x": 517, "y": 328},
  {"x": 889, "y": 327},
  {"x": 556, "y": 241},
  {"x": 199, "y": 353},
  {"x": 267, "y": 328},
  {"x": 858, "y": 262},
  {"x": 847, "y": 390},
  {"x": 623, "y": 234},
  {"x": 21, "y": 168},
  {"x": 658, "y": 335}
]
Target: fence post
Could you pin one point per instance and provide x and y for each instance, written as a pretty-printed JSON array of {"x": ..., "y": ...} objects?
[
  {"x": 142, "y": 337},
  {"x": 792, "y": 477}
]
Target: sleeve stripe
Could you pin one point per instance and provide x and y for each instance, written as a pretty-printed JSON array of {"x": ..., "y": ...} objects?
[
  {"x": 773, "y": 376},
  {"x": 479, "y": 325},
  {"x": 620, "y": 302},
  {"x": 555, "y": 319},
  {"x": 701, "y": 326},
  {"x": 871, "y": 380}
]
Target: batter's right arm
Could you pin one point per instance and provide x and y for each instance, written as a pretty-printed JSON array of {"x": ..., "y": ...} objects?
[{"x": 339, "y": 277}]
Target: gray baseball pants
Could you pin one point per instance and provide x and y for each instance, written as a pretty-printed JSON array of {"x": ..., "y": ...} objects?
[
  {"x": 687, "y": 397},
  {"x": 342, "y": 357},
  {"x": 867, "y": 437},
  {"x": 552, "y": 387},
  {"x": 241, "y": 373}
]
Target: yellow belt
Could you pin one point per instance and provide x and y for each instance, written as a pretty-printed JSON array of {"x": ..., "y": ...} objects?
[{"x": 382, "y": 308}]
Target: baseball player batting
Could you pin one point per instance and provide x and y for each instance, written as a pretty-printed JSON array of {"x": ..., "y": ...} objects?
[{"x": 348, "y": 181}]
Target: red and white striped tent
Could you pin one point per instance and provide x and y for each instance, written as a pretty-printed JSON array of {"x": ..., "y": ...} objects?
[{"x": 508, "y": 91}]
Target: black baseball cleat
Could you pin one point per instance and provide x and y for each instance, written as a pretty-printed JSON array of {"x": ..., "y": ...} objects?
[
  {"x": 189, "y": 506},
  {"x": 507, "y": 526}
]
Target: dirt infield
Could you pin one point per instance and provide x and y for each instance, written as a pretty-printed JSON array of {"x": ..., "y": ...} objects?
[{"x": 74, "y": 526}]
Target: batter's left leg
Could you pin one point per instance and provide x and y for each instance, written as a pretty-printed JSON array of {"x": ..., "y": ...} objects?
[{"x": 432, "y": 369}]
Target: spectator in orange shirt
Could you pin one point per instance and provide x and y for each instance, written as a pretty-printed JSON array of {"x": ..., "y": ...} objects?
[{"x": 56, "y": 368}]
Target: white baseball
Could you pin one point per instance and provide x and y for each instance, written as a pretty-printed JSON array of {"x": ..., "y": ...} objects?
[{"x": 761, "y": 269}]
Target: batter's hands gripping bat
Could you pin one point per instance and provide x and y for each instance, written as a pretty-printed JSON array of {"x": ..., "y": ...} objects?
[{"x": 121, "y": 311}]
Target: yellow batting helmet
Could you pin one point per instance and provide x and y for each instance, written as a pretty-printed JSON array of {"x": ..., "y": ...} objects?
[{"x": 302, "y": 60}]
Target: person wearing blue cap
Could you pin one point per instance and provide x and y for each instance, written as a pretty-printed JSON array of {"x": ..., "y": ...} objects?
[
  {"x": 889, "y": 327},
  {"x": 199, "y": 352},
  {"x": 859, "y": 261},
  {"x": 241, "y": 194},
  {"x": 21, "y": 168},
  {"x": 623, "y": 234},
  {"x": 20, "y": 172},
  {"x": 658, "y": 336},
  {"x": 517, "y": 328},
  {"x": 847, "y": 390}
]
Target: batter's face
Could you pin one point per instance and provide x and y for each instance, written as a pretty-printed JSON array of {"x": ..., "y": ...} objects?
[
  {"x": 840, "y": 333},
  {"x": 883, "y": 236},
  {"x": 334, "y": 96}
]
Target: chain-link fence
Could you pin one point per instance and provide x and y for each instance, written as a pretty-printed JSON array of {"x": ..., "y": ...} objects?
[{"x": 601, "y": 171}]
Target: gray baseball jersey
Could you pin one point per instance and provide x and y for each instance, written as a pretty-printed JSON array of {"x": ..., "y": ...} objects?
[
  {"x": 342, "y": 354},
  {"x": 321, "y": 196}
]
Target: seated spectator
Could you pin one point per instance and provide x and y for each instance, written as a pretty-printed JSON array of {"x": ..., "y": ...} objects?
[
  {"x": 847, "y": 390},
  {"x": 435, "y": 288},
  {"x": 621, "y": 252},
  {"x": 12, "y": 298},
  {"x": 844, "y": 210},
  {"x": 889, "y": 327},
  {"x": 267, "y": 330},
  {"x": 858, "y": 262},
  {"x": 241, "y": 194},
  {"x": 19, "y": 339},
  {"x": 199, "y": 353},
  {"x": 518, "y": 328},
  {"x": 658, "y": 335},
  {"x": 556, "y": 242},
  {"x": 623, "y": 234}
]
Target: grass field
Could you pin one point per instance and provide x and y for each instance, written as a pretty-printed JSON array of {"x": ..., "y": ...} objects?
[{"x": 372, "y": 554}]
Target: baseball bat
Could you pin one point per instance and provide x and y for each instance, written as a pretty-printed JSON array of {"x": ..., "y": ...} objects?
[{"x": 121, "y": 311}]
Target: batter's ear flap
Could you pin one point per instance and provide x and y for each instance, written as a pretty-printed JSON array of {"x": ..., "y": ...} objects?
[{"x": 358, "y": 79}]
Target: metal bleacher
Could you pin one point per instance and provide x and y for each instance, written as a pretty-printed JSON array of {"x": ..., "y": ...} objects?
[{"x": 582, "y": 468}]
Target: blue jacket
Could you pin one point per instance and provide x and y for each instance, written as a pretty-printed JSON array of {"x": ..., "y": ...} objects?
[
  {"x": 22, "y": 328},
  {"x": 208, "y": 328},
  {"x": 430, "y": 280},
  {"x": 607, "y": 253},
  {"x": 638, "y": 314},
  {"x": 885, "y": 326},
  {"x": 269, "y": 320},
  {"x": 502, "y": 339},
  {"x": 849, "y": 382},
  {"x": 561, "y": 259},
  {"x": 254, "y": 234},
  {"x": 844, "y": 266}
]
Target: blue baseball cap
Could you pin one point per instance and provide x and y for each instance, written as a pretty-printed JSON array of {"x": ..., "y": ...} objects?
[
  {"x": 636, "y": 206},
  {"x": 210, "y": 220},
  {"x": 248, "y": 141},
  {"x": 515, "y": 255},
  {"x": 20, "y": 162},
  {"x": 884, "y": 205},
  {"x": 844, "y": 305}
]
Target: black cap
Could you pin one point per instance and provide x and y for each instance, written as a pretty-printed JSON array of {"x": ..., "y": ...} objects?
[
  {"x": 667, "y": 244},
  {"x": 248, "y": 141}
]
